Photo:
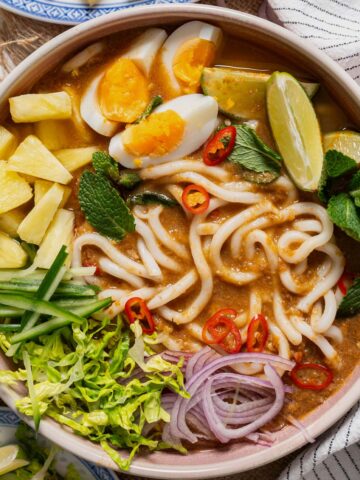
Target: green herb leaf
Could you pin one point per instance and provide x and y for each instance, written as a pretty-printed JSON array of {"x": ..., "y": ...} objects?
[
  {"x": 105, "y": 165},
  {"x": 336, "y": 165},
  {"x": 103, "y": 207},
  {"x": 155, "y": 102},
  {"x": 128, "y": 179},
  {"x": 344, "y": 214},
  {"x": 147, "y": 198},
  {"x": 252, "y": 154},
  {"x": 354, "y": 188},
  {"x": 350, "y": 304}
]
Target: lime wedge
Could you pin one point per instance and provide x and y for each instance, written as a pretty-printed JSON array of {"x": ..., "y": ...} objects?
[
  {"x": 346, "y": 142},
  {"x": 241, "y": 94},
  {"x": 295, "y": 129},
  {"x": 11, "y": 458}
]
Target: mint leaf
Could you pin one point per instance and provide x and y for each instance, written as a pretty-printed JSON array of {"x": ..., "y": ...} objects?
[
  {"x": 155, "y": 102},
  {"x": 343, "y": 212},
  {"x": 350, "y": 304},
  {"x": 354, "y": 188},
  {"x": 336, "y": 165},
  {"x": 105, "y": 165},
  {"x": 103, "y": 207},
  {"x": 147, "y": 198},
  {"x": 253, "y": 155}
]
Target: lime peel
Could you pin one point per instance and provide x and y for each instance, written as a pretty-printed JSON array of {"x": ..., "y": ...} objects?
[{"x": 295, "y": 129}]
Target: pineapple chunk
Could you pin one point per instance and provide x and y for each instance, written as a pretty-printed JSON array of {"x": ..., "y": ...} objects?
[
  {"x": 59, "y": 233},
  {"x": 34, "y": 107},
  {"x": 10, "y": 221},
  {"x": 54, "y": 134},
  {"x": 14, "y": 190},
  {"x": 33, "y": 228},
  {"x": 40, "y": 188},
  {"x": 33, "y": 158},
  {"x": 82, "y": 129},
  {"x": 74, "y": 158},
  {"x": 11, "y": 253},
  {"x": 7, "y": 143},
  {"x": 66, "y": 196}
]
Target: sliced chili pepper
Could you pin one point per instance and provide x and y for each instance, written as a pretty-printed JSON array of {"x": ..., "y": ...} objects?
[
  {"x": 232, "y": 342},
  {"x": 257, "y": 334},
  {"x": 311, "y": 384},
  {"x": 195, "y": 199},
  {"x": 136, "y": 309},
  {"x": 218, "y": 326},
  {"x": 220, "y": 146},
  {"x": 345, "y": 277}
]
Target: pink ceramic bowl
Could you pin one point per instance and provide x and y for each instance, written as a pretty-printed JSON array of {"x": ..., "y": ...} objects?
[{"x": 239, "y": 457}]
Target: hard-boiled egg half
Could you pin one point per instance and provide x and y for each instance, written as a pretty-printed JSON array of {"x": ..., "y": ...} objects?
[
  {"x": 174, "y": 130},
  {"x": 186, "y": 52},
  {"x": 121, "y": 93}
]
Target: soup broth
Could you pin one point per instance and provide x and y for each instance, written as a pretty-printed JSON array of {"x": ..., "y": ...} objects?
[{"x": 258, "y": 249}]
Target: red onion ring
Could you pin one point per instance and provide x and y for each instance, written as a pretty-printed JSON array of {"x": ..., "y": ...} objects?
[{"x": 215, "y": 393}]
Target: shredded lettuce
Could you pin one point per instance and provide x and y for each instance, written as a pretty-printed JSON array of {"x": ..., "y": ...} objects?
[{"x": 103, "y": 381}]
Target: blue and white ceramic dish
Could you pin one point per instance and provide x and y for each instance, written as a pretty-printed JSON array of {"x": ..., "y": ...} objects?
[
  {"x": 8, "y": 424},
  {"x": 71, "y": 12}
]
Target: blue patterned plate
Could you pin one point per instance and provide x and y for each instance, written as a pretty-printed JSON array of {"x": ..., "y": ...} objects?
[
  {"x": 8, "y": 424},
  {"x": 71, "y": 12}
]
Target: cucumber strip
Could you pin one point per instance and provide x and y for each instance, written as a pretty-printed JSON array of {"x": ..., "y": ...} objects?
[
  {"x": 42, "y": 307},
  {"x": 71, "y": 303},
  {"x": 10, "y": 327},
  {"x": 10, "y": 312},
  {"x": 59, "y": 322},
  {"x": 31, "y": 389},
  {"x": 64, "y": 289},
  {"x": 45, "y": 291}
]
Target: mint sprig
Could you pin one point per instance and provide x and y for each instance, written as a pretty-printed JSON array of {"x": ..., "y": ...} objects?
[
  {"x": 103, "y": 207},
  {"x": 336, "y": 166},
  {"x": 350, "y": 304},
  {"x": 258, "y": 162},
  {"x": 343, "y": 212},
  {"x": 105, "y": 165}
]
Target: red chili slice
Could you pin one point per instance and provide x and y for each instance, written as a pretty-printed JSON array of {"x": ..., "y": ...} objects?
[
  {"x": 257, "y": 334},
  {"x": 232, "y": 342},
  {"x": 136, "y": 309},
  {"x": 220, "y": 146},
  {"x": 195, "y": 199},
  {"x": 311, "y": 384},
  {"x": 218, "y": 326},
  {"x": 345, "y": 277}
]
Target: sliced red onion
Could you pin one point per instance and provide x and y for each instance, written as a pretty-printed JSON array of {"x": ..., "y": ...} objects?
[
  {"x": 302, "y": 428},
  {"x": 222, "y": 432},
  {"x": 199, "y": 360},
  {"x": 215, "y": 393}
]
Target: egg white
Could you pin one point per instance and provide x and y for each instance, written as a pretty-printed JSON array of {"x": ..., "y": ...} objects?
[
  {"x": 91, "y": 113},
  {"x": 199, "y": 113},
  {"x": 145, "y": 48},
  {"x": 142, "y": 53},
  {"x": 186, "y": 32}
]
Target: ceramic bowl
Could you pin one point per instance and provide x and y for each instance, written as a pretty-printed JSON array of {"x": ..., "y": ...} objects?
[
  {"x": 87, "y": 471},
  {"x": 241, "y": 456}
]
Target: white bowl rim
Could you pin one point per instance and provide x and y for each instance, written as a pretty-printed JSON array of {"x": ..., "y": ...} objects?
[{"x": 139, "y": 467}]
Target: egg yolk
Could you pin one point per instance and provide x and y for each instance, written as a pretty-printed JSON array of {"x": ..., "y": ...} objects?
[
  {"x": 155, "y": 136},
  {"x": 123, "y": 92},
  {"x": 190, "y": 59}
]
